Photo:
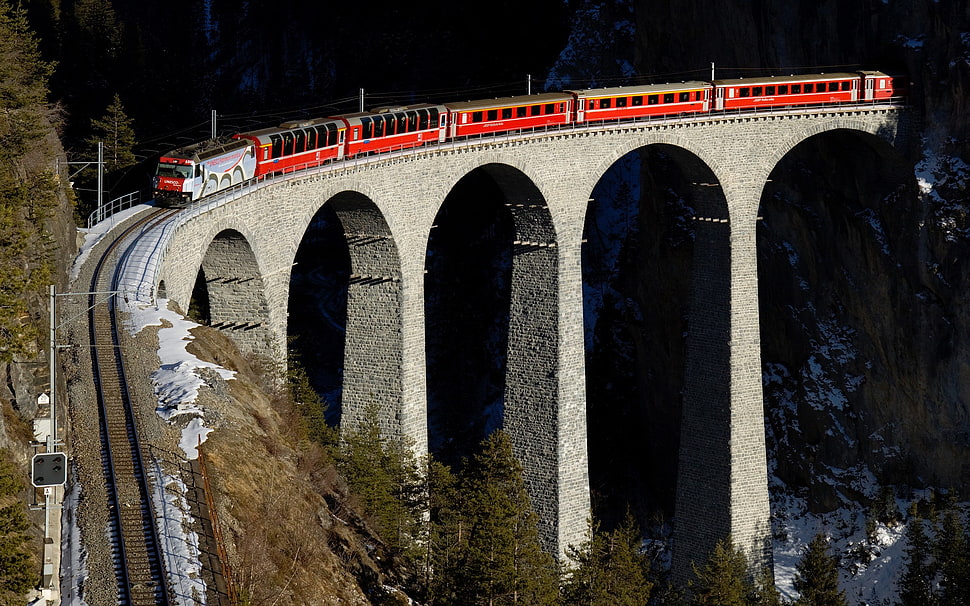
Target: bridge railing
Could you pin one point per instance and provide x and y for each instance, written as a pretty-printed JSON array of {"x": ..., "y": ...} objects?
[{"x": 119, "y": 204}]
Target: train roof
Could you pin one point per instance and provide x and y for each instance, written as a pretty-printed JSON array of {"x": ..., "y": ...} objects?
[
  {"x": 263, "y": 135},
  {"x": 198, "y": 152},
  {"x": 294, "y": 124},
  {"x": 787, "y": 79},
  {"x": 508, "y": 101},
  {"x": 392, "y": 109},
  {"x": 642, "y": 89}
]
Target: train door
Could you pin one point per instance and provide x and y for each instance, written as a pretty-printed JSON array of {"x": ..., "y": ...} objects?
[
  {"x": 719, "y": 98},
  {"x": 707, "y": 100},
  {"x": 580, "y": 109},
  {"x": 870, "y": 88}
]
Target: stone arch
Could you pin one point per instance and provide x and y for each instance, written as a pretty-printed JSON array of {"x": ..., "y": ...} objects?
[
  {"x": 527, "y": 240},
  {"x": 886, "y": 132},
  {"x": 637, "y": 261},
  {"x": 233, "y": 291},
  {"x": 828, "y": 248},
  {"x": 373, "y": 350}
]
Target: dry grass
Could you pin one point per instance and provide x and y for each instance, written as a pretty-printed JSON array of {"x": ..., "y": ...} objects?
[{"x": 292, "y": 534}]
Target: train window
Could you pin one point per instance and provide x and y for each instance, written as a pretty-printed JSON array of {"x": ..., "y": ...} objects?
[
  {"x": 783, "y": 89},
  {"x": 796, "y": 89},
  {"x": 433, "y": 117},
  {"x": 621, "y": 101},
  {"x": 368, "y": 127},
  {"x": 668, "y": 97},
  {"x": 605, "y": 103},
  {"x": 757, "y": 91},
  {"x": 535, "y": 110},
  {"x": 846, "y": 85},
  {"x": 683, "y": 97},
  {"x": 276, "y": 143},
  {"x": 592, "y": 104},
  {"x": 342, "y": 133},
  {"x": 477, "y": 116},
  {"x": 769, "y": 90},
  {"x": 506, "y": 113},
  {"x": 638, "y": 101},
  {"x": 287, "y": 144},
  {"x": 521, "y": 111},
  {"x": 833, "y": 86},
  {"x": 809, "y": 87},
  {"x": 550, "y": 108},
  {"x": 299, "y": 142},
  {"x": 745, "y": 92},
  {"x": 492, "y": 115},
  {"x": 266, "y": 153},
  {"x": 422, "y": 119},
  {"x": 653, "y": 99},
  {"x": 311, "y": 138},
  {"x": 389, "y": 126}
]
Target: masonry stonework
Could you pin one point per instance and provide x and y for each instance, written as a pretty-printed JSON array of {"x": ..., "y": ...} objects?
[{"x": 387, "y": 207}]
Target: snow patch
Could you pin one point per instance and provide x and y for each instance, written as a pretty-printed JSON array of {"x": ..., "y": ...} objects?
[
  {"x": 180, "y": 543},
  {"x": 176, "y": 381}
]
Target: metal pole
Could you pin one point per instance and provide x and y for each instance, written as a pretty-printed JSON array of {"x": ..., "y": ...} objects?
[
  {"x": 100, "y": 175},
  {"x": 361, "y": 100},
  {"x": 52, "y": 436},
  {"x": 213, "y": 124},
  {"x": 528, "y": 85},
  {"x": 712, "y": 71}
]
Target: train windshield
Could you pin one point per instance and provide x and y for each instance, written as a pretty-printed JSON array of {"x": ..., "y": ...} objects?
[{"x": 174, "y": 170}]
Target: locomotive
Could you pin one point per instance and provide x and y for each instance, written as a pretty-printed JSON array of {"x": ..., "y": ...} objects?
[{"x": 195, "y": 171}]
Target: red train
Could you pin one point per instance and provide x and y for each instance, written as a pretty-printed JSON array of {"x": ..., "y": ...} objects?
[{"x": 195, "y": 171}]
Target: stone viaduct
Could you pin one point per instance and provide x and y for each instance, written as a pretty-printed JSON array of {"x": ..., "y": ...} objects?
[{"x": 245, "y": 242}]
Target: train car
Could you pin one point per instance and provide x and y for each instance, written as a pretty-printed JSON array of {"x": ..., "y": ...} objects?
[
  {"x": 781, "y": 91},
  {"x": 189, "y": 173},
  {"x": 470, "y": 118},
  {"x": 878, "y": 85},
  {"x": 388, "y": 128},
  {"x": 627, "y": 102},
  {"x": 296, "y": 145}
]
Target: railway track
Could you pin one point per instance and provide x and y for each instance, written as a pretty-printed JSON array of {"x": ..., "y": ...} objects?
[{"x": 137, "y": 555}]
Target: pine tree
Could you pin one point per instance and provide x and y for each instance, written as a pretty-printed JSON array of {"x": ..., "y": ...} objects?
[
  {"x": 28, "y": 185},
  {"x": 446, "y": 535},
  {"x": 766, "y": 594},
  {"x": 610, "y": 569},
  {"x": 914, "y": 587},
  {"x": 817, "y": 576},
  {"x": 500, "y": 560},
  {"x": 724, "y": 580},
  {"x": 17, "y": 574},
  {"x": 312, "y": 407},
  {"x": 116, "y": 130},
  {"x": 953, "y": 560},
  {"x": 383, "y": 473}
]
